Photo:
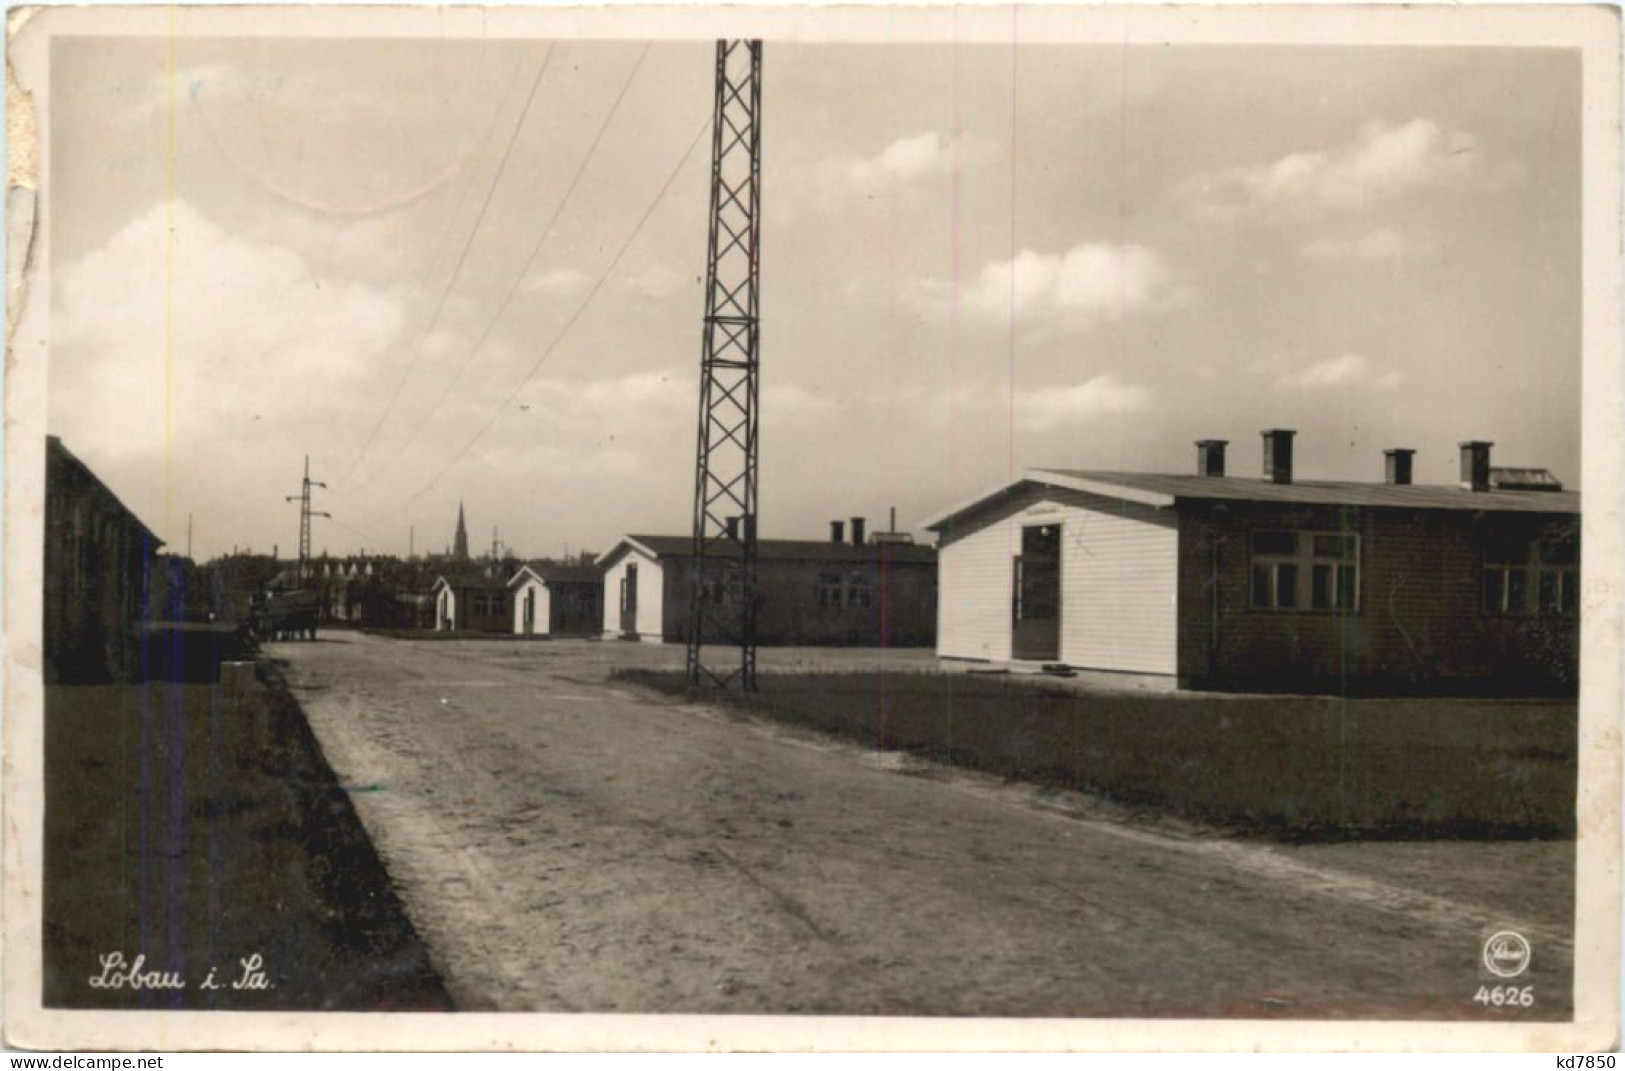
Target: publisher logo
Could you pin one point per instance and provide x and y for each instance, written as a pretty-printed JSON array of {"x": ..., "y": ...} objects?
[{"x": 1506, "y": 954}]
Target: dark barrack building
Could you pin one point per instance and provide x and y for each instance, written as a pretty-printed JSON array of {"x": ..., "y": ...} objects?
[
  {"x": 98, "y": 568},
  {"x": 840, "y": 592}
]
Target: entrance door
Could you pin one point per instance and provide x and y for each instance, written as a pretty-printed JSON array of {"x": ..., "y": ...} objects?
[
  {"x": 1036, "y": 607},
  {"x": 530, "y": 611},
  {"x": 629, "y": 603}
]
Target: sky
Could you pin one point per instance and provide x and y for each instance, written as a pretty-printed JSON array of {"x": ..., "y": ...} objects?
[{"x": 471, "y": 271}]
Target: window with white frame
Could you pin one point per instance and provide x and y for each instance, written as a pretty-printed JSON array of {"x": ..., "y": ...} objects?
[
  {"x": 859, "y": 592},
  {"x": 1533, "y": 575},
  {"x": 1305, "y": 570}
]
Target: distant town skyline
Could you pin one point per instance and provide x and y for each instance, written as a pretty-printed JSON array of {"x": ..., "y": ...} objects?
[{"x": 469, "y": 270}]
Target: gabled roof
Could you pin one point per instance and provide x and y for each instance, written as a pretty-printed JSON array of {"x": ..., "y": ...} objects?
[
  {"x": 468, "y": 578},
  {"x": 807, "y": 550},
  {"x": 558, "y": 573},
  {"x": 1165, "y": 491}
]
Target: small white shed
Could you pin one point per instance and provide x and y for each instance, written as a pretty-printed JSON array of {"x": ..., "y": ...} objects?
[{"x": 634, "y": 588}]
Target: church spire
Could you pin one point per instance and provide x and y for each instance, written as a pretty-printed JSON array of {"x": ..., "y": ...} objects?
[{"x": 460, "y": 547}]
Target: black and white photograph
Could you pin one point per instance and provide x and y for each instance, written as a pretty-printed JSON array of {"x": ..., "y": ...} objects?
[{"x": 834, "y": 528}]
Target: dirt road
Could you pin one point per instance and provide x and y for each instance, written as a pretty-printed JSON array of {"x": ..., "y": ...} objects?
[{"x": 564, "y": 844}]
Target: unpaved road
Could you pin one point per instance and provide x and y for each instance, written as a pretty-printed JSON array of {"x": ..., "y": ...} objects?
[{"x": 566, "y": 844}]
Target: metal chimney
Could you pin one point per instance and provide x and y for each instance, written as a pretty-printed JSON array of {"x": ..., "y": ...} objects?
[
  {"x": 1278, "y": 455},
  {"x": 1475, "y": 465},
  {"x": 1397, "y": 466},
  {"x": 1210, "y": 456}
]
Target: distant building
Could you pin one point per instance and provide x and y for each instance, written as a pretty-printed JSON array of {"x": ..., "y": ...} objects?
[
  {"x": 98, "y": 569},
  {"x": 809, "y": 592},
  {"x": 459, "y": 549},
  {"x": 472, "y": 600},
  {"x": 554, "y": 599},
  {"x": 1272, "y": 583}
]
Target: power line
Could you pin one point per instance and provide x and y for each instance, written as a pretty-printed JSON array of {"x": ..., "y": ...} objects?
[
  {"x": 530, "y": 261},
  {"x": 368, "y": 536},
  {"x": 570, "y": 323},
  {"x": 451, "y": 280},
  {"x": 490, "y": 128}
]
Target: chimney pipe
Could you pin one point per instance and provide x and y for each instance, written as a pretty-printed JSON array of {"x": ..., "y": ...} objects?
[
  {"x": 857, "y": 531},
  {"x": 1210, "y": 457},
  {"x": 1278, "y": 455},
  {"x": 837, "y": 531},
  {"x": 1397, "y": 466},
  {"x": 733, "y": 528},
  {"x": 1475, "y": 465}
]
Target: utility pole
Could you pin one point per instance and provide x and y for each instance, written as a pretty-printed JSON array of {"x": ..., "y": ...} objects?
[
  {"x": 188, "y": 535},
  {"x": 411, "y": 541},
  {"x": 723, "y": 593},
  {"x": 305, "y": 514}
]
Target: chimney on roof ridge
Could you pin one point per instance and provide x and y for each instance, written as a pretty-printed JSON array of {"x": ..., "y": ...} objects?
[
  {"x": 1397, "y": 466},
  {"x": 837, "y": 531},
  {"x": 1475, "y": 465},
  {"x": 1278, "y": 455},
  {"x": 857, "y": 531},
  {"x": 1210, "y": 456}
]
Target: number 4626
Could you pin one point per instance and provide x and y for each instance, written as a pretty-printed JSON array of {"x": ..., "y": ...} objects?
[{"x": 1506, "y": 996}]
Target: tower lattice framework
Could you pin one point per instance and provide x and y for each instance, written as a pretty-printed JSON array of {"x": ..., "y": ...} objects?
[
  {"x": 722, "y": 632},
  {"x": 302, "y": 571}
]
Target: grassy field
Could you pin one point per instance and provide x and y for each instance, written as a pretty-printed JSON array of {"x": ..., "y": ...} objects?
[
  {"x": 198, "y": 825},
  {"x": 1289, "y": 767}
]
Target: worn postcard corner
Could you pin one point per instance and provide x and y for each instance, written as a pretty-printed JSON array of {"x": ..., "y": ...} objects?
[{"x": 1073, "y": 528}]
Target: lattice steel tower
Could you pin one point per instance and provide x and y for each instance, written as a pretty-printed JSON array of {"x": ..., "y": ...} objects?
[
  {"x": 305, "y": 514},
  {"x": 722, "y": 630}
]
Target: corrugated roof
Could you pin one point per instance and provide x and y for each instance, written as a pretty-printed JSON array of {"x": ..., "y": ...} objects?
[
  {"x": 1158, "y": 489},
  {"x": 812, "y": 550}
]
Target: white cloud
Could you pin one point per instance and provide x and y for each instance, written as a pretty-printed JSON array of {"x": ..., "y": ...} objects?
[
  {"x": 1348, "y": 371},
  {"x": 795, "y": 402},
  {"x": 1384, "y": 243},
  {"x": 1382, "y": 163},
  {"x": 147, "y": 359},
  {"x": 625, "y": 401},
  {"x": 1048, "y": 407},
  {"x": 904, "y": 162},
  {"x": 557, "y": 282},
  {"x": 1091, "y": 282},
  {"x": 657, "y": 280}
]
